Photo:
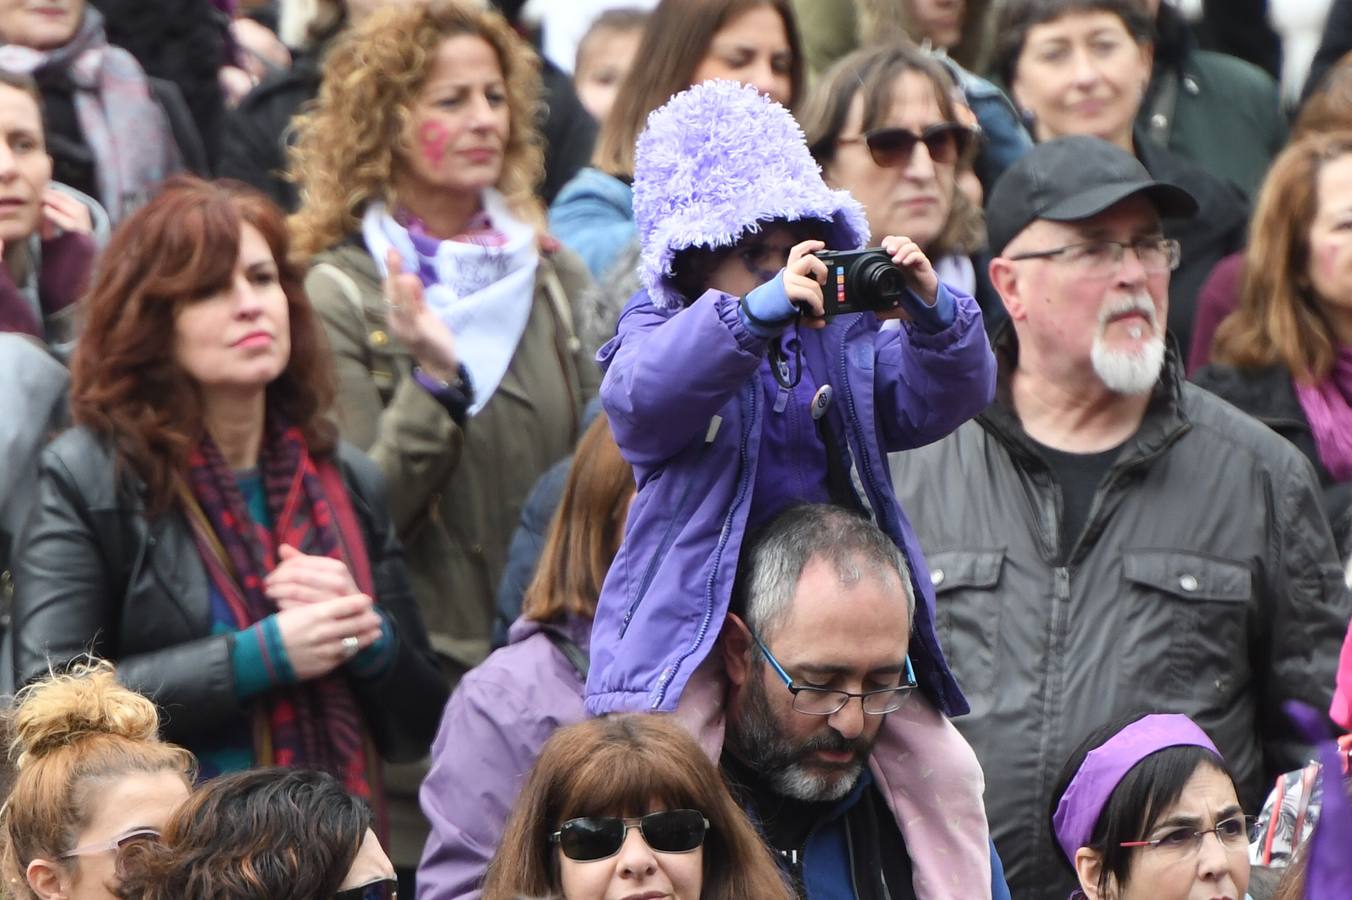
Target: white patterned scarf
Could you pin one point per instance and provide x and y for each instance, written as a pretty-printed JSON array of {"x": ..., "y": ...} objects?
[{"x": 482, "y": 293}]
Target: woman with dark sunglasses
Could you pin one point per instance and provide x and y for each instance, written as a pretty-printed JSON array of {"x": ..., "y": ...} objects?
[
  {"x": 889, "y": 125},
  {"x": 629, "y": 806},
  {"x": 1146, "y": 809},
  {"x": 92, "y": 776},
  {"x": 263, "y": 834}
]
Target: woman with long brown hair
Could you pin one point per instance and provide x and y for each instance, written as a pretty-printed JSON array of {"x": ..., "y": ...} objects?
[
  {"x": 1285, "y": 355},
  {"x": 630, "y": 805},
  {"x": 203, "y": 528},
  {"x": 504, "y": 710},
  {"x": 684, "y": 42}
]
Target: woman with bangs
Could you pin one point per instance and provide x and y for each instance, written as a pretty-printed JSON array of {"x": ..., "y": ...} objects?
[
  {"x": 629, "y": 806},
  {"x": 442, "y": 299},
  {"x": 685, "y": 42},
  {"x": 203, "y": 528},
  {"x": 503, "y": 711}
]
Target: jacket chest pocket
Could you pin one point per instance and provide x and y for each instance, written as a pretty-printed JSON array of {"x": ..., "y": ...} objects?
[
  {"x": 967, "y": 613},
  {"x": 1187, "y": 623},
  {"x": 383, "y": 361}
]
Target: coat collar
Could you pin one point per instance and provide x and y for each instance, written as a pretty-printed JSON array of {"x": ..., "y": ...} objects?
[{"x": 1165, "y": 420}]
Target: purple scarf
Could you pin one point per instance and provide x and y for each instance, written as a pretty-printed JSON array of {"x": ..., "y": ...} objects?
[
  {"x": 1328, "y": 406},
  {"x": 121, "y": 121}
]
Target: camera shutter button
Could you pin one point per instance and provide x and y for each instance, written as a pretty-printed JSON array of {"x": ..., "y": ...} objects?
[{"x": 820, "y": 401}]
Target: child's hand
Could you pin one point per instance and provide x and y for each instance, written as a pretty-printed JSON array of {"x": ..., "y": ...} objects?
[
  {"x": 804, "y": 276},
  {"x": 920, "y": 276}
]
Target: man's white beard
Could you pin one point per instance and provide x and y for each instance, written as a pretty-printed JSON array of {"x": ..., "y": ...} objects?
[{"x": 1129, "y": 372}]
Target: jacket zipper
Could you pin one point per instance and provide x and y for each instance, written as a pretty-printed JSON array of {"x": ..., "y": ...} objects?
[
  {"x": 668, "y": 537},
  {"x": 658, "y": 555},
  {"x": 743, "y": 484},
  {"x": 864, "y": 463}
]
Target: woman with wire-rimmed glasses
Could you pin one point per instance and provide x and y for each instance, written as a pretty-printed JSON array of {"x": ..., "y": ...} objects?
[
  {"x": 91, "y": 777},
  {"x": 1146, "y": 809}
]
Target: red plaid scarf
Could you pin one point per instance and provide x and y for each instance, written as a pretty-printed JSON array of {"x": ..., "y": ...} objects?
[{"x": 316, "y": 724}]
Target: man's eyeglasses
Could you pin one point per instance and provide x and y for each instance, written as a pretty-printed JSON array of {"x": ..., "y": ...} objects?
[
  {"x": 598, "y": 837},
  {"x": 384, "y": 889},
  {"x": 818, "y": 701},
  {"x": 1234, "y": 833},
  {"x": 946, "y": 143},
  {"x": 1102, "y": 258},
  {"x": 112, "y": 845}
]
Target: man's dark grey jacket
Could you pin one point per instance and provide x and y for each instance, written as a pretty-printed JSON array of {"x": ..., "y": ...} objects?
[{"x": 1205, "y": 582}]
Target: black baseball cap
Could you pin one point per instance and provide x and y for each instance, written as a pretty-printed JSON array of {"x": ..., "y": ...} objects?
[{"x": 1073, "y": 178}]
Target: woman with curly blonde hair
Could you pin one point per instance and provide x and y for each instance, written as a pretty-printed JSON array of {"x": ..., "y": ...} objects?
[
  {"x": 442, "y": 299},
  {"x": 92, "y": 776}
]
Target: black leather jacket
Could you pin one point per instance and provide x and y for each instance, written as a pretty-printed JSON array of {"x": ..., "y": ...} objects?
[{"x": 94, "y": 573}]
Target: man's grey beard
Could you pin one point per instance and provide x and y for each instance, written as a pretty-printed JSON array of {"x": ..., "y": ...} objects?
[
  {"x": 1130, "y": 372},
  {"x": 755, "y": 737}
]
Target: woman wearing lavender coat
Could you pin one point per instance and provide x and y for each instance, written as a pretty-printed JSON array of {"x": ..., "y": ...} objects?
[
  {"x": 730, "y": 410},
  {"x": 504, "y": 710}
]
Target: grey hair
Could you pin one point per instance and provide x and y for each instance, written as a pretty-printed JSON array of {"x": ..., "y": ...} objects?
[{"x": 773, "y": 562}]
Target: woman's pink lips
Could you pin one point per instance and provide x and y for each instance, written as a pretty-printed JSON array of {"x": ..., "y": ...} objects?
[
  {"x": 253, "y": 339},
  {"x": 480, "y": 155}
]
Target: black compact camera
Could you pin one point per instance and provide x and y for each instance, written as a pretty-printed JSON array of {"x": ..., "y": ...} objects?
[{"x": 860, "y": 281}]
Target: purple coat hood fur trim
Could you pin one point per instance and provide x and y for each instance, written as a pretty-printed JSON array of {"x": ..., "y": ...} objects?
[{"x": 715, "y": 162}]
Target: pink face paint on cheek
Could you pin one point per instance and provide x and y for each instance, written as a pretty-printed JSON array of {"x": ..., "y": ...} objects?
[
  {"x": 1328, "y": 260},
  {"x": 432, "y": 139}
]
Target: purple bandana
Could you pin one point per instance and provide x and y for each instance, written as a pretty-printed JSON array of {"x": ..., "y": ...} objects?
[{"x": 1105, "y": 767}]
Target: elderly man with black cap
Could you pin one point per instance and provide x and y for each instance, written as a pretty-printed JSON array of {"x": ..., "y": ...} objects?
[{"x": 1106, "y": 537}]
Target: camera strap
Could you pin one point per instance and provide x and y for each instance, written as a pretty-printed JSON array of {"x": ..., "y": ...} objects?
[{"x": 787, "y": 377}]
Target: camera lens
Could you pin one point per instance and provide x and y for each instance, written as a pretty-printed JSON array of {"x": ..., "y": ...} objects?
[{"x": 882, "y": 279}]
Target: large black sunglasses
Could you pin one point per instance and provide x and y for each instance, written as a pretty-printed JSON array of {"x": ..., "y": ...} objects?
[
  {"x": 946, "y": 143},
  {"x": 597, "y": 837},
  {"x": 384, "y": 889}
]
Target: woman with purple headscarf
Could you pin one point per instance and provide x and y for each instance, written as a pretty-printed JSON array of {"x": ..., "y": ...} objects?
[{"x": 1146, "y": 809}]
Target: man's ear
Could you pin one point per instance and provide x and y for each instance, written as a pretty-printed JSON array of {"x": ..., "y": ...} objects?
[
  {"x": 1005, "y": 279},
  {"x": 1089, "y": 866},
  {"x": 736, "y": 644},
  {"x": 44, "y": 877}
]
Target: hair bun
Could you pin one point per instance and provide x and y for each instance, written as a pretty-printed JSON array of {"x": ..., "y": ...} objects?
[{"x": 84, "y": 702}]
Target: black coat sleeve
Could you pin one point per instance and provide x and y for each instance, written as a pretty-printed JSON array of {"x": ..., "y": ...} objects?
[
  {"x": 72, "y": 572},
  {"x": 403, "y": 706}
]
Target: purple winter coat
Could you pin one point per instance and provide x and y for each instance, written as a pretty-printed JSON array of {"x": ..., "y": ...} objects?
[
  {"x": 497, "y": 720},
  {"x": 685, "y": 405}
]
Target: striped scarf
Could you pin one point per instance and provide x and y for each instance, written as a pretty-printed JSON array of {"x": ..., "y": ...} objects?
[{"x": 316, "y": 724}]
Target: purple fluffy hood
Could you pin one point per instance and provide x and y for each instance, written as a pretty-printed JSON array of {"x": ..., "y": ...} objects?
[{"x": 716, "y": 162}]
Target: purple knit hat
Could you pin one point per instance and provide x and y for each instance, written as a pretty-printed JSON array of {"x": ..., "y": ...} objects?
[
  {"x": 1106, "y": 765},
  {"x": 717, "y": 161}
]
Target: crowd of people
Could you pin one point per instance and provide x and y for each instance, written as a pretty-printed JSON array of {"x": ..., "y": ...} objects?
[{"x": 803, "y": 449}]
